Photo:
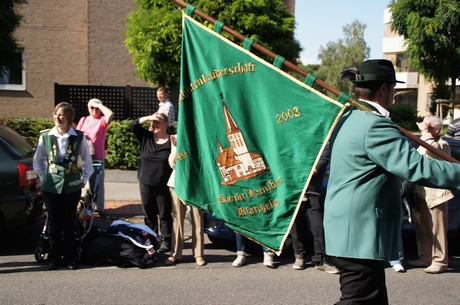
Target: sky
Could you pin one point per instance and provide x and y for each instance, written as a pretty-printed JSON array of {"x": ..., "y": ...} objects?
[{"x": 321, "y": 21}]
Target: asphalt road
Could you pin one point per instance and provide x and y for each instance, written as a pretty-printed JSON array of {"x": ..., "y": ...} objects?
[{"x": 24, "y": 281}]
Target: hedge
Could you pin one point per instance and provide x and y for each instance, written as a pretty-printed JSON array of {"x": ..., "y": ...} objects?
[
  {"x": 122, "y": 148},
  {"x": 405, "y": 116}
]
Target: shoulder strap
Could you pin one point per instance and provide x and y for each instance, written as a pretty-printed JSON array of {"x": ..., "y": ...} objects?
[{"x": 50, "y": 144}]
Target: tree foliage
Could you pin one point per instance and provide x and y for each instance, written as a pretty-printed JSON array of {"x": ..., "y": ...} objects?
[
  {"x": 28, "y": 128},
  {"x": 9, "y": 22},
  {"x": 350, "y": 51},
  {"x": 310, "y": 68},
  {"x": 405, "y": 116},
  {"x": 154, "y": 32},
  {"x": 122, "y": 146},
  {"x": 432, "y": 36}
]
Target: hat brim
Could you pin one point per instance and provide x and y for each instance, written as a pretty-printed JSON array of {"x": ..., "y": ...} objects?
[{"x": 376, "y": 81}]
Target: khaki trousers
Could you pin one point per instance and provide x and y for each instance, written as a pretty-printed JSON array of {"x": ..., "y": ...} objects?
[
  {"x": 431, "y": 232},
  {"x": 178, "y": 214}
]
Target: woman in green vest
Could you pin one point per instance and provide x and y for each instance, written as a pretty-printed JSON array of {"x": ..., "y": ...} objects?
[{"x": 55, "y": 162}]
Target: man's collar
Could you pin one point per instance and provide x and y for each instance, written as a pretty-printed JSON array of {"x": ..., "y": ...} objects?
[{"x": 379, "y": 109}]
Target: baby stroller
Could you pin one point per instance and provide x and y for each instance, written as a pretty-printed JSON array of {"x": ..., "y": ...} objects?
[{"x": 84, "y": 217}]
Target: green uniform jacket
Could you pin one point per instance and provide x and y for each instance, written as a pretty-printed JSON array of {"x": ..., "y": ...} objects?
[
  {"x": 62, "y": 177},
  {"x": 369, "y": 156}
]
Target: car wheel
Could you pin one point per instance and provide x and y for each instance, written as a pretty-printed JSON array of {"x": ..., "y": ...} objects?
[{"x": 39, "y": 253}]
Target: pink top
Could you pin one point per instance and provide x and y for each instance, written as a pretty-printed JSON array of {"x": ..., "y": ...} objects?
[{"x": 95, "y": 130}]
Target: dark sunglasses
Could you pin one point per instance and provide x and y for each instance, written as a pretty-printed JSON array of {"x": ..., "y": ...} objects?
[{"x": 93, "y": 108}]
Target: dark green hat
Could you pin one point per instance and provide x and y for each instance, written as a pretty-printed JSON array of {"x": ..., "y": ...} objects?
[{"x": 375, "y": 71}]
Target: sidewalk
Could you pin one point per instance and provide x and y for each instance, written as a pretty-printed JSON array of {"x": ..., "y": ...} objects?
[{"x": 122, "y": 197}]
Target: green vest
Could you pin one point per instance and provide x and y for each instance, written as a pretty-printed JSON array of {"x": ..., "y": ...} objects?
[{"x": 62, "y": 177}]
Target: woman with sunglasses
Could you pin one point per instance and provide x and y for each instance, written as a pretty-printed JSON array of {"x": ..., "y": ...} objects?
[{"x": 95, "y": 126}]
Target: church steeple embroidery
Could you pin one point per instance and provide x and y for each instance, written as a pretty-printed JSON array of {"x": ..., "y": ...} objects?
[{"x": 237, "y": 162}]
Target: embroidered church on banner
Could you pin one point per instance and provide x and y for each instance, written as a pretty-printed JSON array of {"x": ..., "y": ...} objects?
[{"x": 237, "y": 162}]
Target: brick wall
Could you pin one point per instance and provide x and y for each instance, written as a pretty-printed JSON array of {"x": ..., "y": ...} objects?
[
  {"x": 109, "y": 60},
  {"x": 78, "y": 42},
  {"x": 60, "y": 49},
  {"x": 290, "y": 5},
  {"x": 54, "y": 40}
]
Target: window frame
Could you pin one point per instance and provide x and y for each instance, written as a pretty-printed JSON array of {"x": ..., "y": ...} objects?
[{"x": 18, "y": 87}]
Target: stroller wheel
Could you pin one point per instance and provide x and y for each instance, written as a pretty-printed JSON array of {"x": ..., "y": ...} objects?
[{"x": 39, "y": 254}]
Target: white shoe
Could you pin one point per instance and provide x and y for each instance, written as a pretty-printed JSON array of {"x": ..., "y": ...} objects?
[
  {"x": 240, "y": 259},
  {"x": 434, "y": 269},
  {"x": 398, "y": 268},
  {"x": 268, "y": 259}
]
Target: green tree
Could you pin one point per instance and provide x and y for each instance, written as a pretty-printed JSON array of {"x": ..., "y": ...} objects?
[
  {"x": 310, "y": 68},
  {"x": 440, "y": 91},
  {"x": 405, "y": 116},
  {"x": 9, "y": 22},
  {"x": 350, "y": 51},
  {"x": 432, "y": 36},
  {"x": 154, "y": 32}
]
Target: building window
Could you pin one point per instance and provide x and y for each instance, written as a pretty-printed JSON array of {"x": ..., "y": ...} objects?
[
  {"x": 14, "y": 78},
  {"x": 402, "y": 64}
]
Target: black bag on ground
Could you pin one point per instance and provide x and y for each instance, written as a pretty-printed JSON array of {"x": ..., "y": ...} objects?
[{"x": 106, "y": 248}]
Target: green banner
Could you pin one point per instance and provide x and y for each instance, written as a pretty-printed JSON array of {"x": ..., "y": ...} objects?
[{"x": 249, "y": 135}]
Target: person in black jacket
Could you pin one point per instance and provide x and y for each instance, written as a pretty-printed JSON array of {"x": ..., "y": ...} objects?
[
  {"x": 310, "y": 219},
  {"x": 153, "y": 174}
]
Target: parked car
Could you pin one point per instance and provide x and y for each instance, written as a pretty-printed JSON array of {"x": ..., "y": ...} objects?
[
  {"x": 218, "y": 232},
  {"x": 20, "y": 201}
]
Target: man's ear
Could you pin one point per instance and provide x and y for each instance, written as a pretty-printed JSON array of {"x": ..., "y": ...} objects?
[{"x": 384, "y": 88}]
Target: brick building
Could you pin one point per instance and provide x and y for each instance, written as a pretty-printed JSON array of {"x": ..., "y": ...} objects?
[
  {"x": 290, "y": 5},
  {"x": 78, "y": 42}
]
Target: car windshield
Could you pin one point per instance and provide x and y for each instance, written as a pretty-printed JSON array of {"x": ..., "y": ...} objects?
[{"x": 21, "y": 146}]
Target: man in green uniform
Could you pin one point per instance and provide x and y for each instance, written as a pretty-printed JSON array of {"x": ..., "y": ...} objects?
[{"x": 369, "y": 157}]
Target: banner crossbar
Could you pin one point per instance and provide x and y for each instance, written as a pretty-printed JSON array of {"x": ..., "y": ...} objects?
[{"x": 293, "y": 67}]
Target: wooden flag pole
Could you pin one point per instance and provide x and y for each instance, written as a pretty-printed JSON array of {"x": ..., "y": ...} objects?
[{"x": 319, "y": 82}]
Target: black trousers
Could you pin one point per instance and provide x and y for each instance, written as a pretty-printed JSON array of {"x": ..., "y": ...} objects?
[
  {"x": 362, "y": 281},
  {"x": 300, "y": 232},
  {"x": 62, "y": 220},
  {"x": 308, "y": 225},
  {"x": 156, "y": 202},
  {"x": 315, "y": 218}
]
